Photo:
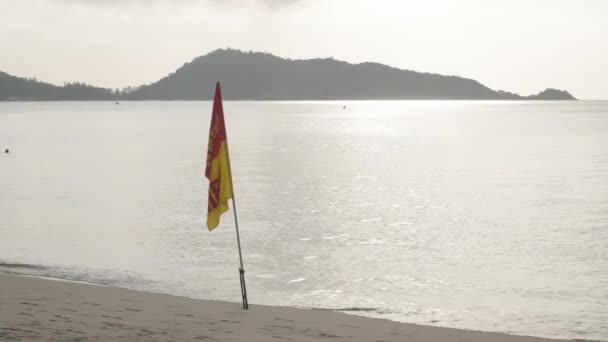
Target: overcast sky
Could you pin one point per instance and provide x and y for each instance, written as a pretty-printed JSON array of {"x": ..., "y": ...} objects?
[{"x": 517, "y": 45}]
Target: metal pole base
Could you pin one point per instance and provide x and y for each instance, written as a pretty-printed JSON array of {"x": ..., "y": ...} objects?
[{"x": 243, "y": 289}]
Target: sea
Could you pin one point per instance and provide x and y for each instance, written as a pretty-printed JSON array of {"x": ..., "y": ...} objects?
[{"x": 484, "y": 215}]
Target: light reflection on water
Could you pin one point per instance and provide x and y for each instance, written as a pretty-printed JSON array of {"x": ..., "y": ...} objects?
[{"x": 479, "y": 215}]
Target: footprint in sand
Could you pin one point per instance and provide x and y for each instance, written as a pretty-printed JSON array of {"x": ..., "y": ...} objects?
[
  {"x": 284, "y": 320},
  {"x": 27, "y": 303},
  {"x": 281, "y": 326},
  {"x": 329, "y": 335},
  {"x": 75, "y": 331},
  {"x": 114, "y": 317},
  {"x": 145, "y": 332},
  {"x": 109, "y": 324},
  {"x": 182, "y": 314},
  {"x": 229, "y": 321}
]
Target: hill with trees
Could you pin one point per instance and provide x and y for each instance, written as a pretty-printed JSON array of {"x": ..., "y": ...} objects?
[
  {"x": 29, "y": 89},
  {"x": 262, "y": 76}
]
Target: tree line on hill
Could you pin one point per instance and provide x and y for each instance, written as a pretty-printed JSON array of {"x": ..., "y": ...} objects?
[{"x": 262, "y": 76}]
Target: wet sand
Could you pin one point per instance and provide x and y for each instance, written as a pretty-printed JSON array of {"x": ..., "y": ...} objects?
[{"x": 35, "y": 309}]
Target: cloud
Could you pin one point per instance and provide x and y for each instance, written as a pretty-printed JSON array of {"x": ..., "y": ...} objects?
[
  {"x": 269, "y": 4},
  {"x": 266, "y": 4},
  {"x": 125, "y": 2}
]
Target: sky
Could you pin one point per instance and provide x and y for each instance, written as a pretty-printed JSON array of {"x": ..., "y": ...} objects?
[{"x": 522, "y": 46}]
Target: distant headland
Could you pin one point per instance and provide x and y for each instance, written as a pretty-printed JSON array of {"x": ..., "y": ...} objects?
[{"x": 263, "y": 76}]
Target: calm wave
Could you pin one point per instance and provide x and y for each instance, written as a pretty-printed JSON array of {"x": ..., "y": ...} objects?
[{"x": 479, "y": 215}]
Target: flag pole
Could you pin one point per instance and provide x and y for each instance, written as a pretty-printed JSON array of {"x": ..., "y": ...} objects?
[{"x": 238, "y": 237}]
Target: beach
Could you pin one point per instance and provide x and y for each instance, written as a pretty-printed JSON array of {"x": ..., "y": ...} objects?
[{"x": 36, "y": 309}]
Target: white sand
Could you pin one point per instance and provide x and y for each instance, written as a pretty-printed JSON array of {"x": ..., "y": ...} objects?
[{"x": 34, "y": 309}]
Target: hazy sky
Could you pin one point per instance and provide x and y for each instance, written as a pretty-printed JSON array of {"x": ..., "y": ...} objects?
[{"x": 517, "y": 45}]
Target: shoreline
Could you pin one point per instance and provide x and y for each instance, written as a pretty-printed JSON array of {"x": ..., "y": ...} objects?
[{"x": 37, "y": 308}]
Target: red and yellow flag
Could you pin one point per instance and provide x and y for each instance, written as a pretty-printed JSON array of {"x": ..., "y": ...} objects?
[{"x": 218, "y": 164}]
